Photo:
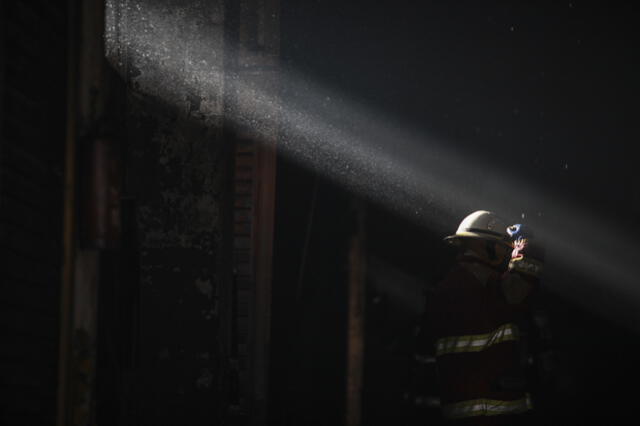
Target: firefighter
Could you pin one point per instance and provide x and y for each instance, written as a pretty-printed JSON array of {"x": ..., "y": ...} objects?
[{"x": 473, "y": 318}]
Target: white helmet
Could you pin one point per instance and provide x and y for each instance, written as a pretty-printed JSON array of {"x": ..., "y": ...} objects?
[{"x": 484, "y": 225}]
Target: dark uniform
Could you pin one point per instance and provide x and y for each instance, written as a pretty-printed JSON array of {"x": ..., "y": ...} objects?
[{"x": 475, "y": 332}]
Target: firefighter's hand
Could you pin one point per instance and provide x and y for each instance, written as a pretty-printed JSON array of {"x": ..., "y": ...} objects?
[{"x": 528, "y": 254}]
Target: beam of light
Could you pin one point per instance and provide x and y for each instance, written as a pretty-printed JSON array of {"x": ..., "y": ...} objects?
[{"x": 176, "y": 52}]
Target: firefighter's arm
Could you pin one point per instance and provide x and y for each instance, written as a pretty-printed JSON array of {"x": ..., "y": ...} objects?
[
  {"x": 525, "y": 265},
  {"x": 516, "y": 288}
]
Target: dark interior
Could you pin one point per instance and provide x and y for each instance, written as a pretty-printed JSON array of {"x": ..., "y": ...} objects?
[{"x": 173, "y": 319}]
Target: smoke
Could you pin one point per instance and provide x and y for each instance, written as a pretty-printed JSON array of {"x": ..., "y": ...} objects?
[{"x": 178, "y": 55}]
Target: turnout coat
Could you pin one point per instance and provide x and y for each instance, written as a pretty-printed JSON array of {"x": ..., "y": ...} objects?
[{"x": 473, "y": 320}]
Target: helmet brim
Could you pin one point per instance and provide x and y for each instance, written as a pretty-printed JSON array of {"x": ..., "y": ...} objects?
[{"x": 455, "y": 239}]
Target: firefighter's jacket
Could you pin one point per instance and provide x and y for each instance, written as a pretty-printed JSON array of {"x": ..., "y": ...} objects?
[{"x": 475, "y": 333}]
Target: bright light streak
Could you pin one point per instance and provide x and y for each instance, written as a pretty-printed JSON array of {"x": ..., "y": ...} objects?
[{"x": 365, "y": 150}]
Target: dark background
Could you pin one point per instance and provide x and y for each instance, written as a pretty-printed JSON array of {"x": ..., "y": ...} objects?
[
  {"x": 529, "y": 86},
  {"x": 542, "y": 91}
]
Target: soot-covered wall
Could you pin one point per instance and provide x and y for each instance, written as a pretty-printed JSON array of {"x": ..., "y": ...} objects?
[{"x": 171, "y": 57}]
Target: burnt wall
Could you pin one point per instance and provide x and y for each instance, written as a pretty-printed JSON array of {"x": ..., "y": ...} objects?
[{"x": 171, "y": 57}]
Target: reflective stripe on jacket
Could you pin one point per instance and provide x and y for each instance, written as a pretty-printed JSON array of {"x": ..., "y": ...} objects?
[
  {"x": 485, "y": 407},
  {"x": 476, "y": 342}
]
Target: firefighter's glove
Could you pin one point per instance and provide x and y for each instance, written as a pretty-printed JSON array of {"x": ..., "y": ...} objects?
[{"x": 527, "y": 256}]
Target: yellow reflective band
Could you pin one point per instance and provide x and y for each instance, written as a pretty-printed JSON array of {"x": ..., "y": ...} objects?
[
  {"x": 476, "y": 342},
  {"x": 486, "y": 407}
]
